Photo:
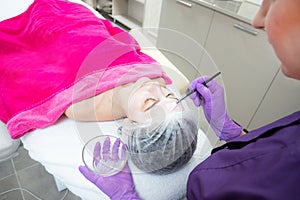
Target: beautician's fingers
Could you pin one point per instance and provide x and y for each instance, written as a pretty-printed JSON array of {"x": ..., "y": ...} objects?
[
  {"x": 97, "y": 157},
  {"x": 123, "y": 152},
  {"x": 197, "y": 95},
  {"x": 204, "y": 92},
  {"x": 115, "y": 150},
  {"x": 106, "y": 149},
  {"x": 197, "y": 98},
  {"x": 193, "y": 84}
]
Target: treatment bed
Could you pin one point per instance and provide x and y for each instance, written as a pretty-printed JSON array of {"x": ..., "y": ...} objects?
[{"x": 59, "y": 147}]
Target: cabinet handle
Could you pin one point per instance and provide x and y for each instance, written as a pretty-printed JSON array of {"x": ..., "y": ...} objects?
[
  {"x": 184, "y": 3},
  {"x": 246, "y": 29}
]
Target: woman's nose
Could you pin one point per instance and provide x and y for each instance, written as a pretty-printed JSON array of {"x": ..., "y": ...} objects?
[
  {"x": 259, "y": 20},
  {"x": 258, "y": 23},
  {"x": 261, "y": 15},
  {"x": 170, "y": 106}
]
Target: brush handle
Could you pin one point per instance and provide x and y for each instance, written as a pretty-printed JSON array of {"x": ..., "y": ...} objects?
[{"x": 211, "y": 78}]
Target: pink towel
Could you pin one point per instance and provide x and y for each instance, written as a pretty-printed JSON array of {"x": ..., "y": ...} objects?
[{"x": 57, "y": 53}]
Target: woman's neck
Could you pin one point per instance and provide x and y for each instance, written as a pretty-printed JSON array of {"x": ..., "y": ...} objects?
[{"x": 107, "y": 106}]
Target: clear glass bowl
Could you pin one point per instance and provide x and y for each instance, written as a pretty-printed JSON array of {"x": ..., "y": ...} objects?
[{"x": 105, "y": 155}]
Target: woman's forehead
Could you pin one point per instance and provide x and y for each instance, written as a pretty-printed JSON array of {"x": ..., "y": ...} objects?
[{"x": 150, "y": 85}]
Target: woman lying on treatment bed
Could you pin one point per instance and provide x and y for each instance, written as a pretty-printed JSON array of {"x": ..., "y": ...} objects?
[
  {"x": 157, "y": 124},
  {"x": 58, "y": 58}
]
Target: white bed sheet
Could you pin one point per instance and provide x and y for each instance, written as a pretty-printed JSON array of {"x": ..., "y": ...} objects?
[{"x": 58, "y": 148}]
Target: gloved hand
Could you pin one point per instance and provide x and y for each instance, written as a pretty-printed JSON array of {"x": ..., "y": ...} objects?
[
  {"x": 211, "y": 97},
  {"x": 119, "y": 186}
]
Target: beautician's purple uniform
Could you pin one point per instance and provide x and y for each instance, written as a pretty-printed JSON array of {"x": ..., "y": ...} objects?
[{"x": 263, "y": 164}]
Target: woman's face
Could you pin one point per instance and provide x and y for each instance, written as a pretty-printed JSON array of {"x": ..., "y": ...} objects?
[
  {"x": 281, "y": 19},
  {"x": 151, "y": 100}
]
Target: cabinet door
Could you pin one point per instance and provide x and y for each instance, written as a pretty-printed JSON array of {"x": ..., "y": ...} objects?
[
  {"x": 152, "y": 14},
  {"x": 247, "y": 62},
  {"x": 183, "y": 30},
  {"x": 281, "y": 99}
]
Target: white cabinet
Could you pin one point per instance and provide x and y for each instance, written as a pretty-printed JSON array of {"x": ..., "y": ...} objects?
[
  {"x": 131, "y": 13},
  {"x": 281, "y": 99},
  {"x": 187, "y": 18},
  {"x": 184, "y": 26},
  {"x": 152, "y": 14},
  {"x": 247, "y": 62}
]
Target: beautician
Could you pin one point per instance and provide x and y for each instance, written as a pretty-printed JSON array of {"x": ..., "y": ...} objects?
[{"x": 263, "y": 164}]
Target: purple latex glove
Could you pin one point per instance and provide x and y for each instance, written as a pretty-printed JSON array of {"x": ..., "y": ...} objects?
[
  {"x": 211, "y": 97},
  {"x": 119, "y": 186}
]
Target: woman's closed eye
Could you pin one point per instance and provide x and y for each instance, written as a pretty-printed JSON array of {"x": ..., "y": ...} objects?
[
  {"x": 171, "y": 95},
  {"x": 149, "y": 103}
]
